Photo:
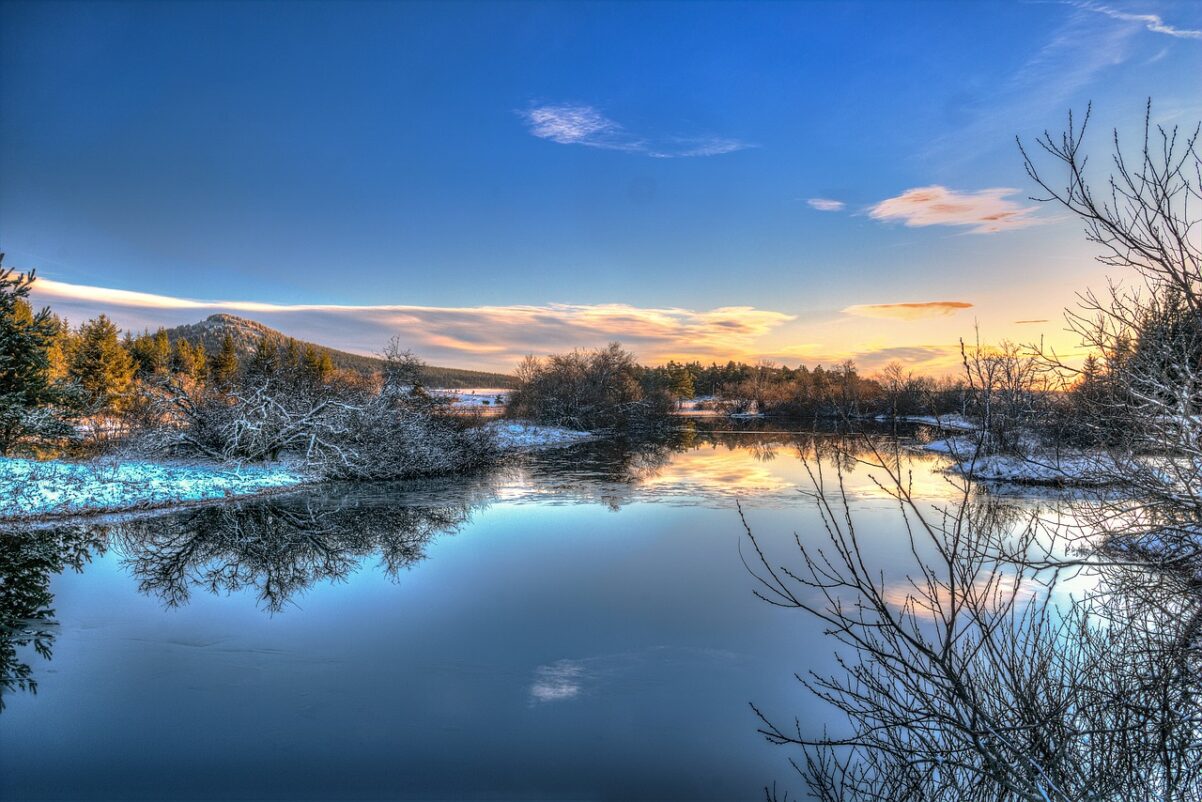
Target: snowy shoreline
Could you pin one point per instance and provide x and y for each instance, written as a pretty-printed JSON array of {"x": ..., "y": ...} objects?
[
  {"x": 32, "y": 490},
  {"x": 1041, "y": 468},
  {"x": 52, "y": 490}
]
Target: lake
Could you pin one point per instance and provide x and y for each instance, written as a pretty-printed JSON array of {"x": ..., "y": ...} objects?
[{"x": 578, "y": 625}]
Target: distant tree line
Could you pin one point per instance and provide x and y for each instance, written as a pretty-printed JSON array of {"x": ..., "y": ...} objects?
[{"x": 771, "y": 389}]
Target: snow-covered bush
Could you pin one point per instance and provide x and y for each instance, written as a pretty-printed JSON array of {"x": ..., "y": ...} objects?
[{"x": 338, "y": 429}]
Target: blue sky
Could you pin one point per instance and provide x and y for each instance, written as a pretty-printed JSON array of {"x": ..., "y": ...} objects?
[{"x": 492, "y": 179}]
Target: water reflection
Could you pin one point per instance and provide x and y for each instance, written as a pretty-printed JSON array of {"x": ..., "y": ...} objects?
[
  {"x": 28, "y": 561},
  {"x": 708, "y": 464},
  {"x": 277, "y": 548},
  {"x": 577, "y": 624},
  {"x": 280, "y": 547}
]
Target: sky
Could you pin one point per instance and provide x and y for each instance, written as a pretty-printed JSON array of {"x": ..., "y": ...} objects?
[{"x": 803, "y": 182}]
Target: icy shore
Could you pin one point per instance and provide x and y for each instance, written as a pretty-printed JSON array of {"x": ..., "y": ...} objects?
[
  {"x": 31, "y": 489},
  {"x": 520, "y": 436}
]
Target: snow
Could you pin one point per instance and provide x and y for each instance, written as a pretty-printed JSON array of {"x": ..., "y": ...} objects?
[
  {"x": 475, "y": 397},
  {"x": 514, "y": 435},
  {"x": 952, "y": 446},
  {"x": 31, "y": 489},
  {"x": 1181, "y": 545},
  {"x": 701, "y": 405},
  {"x": 1074, "y": 469},
  {"x": 950, "y": 423}
]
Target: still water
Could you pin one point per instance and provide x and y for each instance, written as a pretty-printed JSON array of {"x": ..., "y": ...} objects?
[{"x": 576, "y": 626}]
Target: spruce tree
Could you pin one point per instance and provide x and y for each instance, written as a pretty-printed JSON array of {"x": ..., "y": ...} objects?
[
  {"x": 316, "y": 365},
  {"x": 265, "y": 361},
  {"x": 224, "y": 367},
  {"x": 188, "y": 360},
  {"x": 151, "y": 353},
  {"x": 101, "y": 367},
  {"x": 27, "y": 394}
]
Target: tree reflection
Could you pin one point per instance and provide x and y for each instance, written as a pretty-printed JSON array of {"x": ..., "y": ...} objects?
[
  {"x": 281, "y": 547},
  {"x": 28, "y": 560},
  {"x": 704, "y": 457}
]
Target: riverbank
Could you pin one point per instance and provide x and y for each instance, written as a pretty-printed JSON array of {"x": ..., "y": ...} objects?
[{"x": 33, "y": 490}]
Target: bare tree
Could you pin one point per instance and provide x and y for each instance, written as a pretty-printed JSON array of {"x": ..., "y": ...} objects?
[
  {"x": 965, "y": 676},
  {"x": 962, "y": 678}
]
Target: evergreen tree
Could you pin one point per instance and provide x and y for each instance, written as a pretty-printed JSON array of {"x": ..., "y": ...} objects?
[
  {"x": 681, "y": 381},
  {"x": 151, "y": 353},
  {"x": 61, "y": 346},
  {"x": 101, "y": 367},
  {"x": 290, "y": 359},
  {"x": 265, "y": 361},
  {"x": 26, "y": 390},
  {"x": 188, "y": 360},
  {"x": 316, "y": 365},
  {"x": 224, "y": 367}
]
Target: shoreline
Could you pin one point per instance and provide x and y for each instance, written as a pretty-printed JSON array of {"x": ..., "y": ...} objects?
[{"x": 47, "y": 492}]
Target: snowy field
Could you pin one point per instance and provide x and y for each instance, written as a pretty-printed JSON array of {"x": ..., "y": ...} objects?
[{"x": 31, "y": 489}]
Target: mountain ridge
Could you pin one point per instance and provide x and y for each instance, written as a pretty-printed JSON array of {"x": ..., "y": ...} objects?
[{"x": 247, "y": 333}]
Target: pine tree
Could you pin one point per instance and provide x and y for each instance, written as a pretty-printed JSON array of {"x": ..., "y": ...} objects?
[
  {"x": 151, "y": 353},
  {"x": 224, "y": 367},
  {"x": 265, "y": 361},
  {"x": 188, "y": 360},
  {"x": 26, "y": 390},
  {"x": 102, "y": 368},
  {"x": 316, "y": 365}
]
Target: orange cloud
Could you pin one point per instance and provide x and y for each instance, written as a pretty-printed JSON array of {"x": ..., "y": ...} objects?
[
  {"x": 908, "y": 311},
  {"x": 985, "y": 211}
]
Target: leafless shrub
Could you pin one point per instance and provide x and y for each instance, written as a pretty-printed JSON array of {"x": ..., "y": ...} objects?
[
  {"x": 586, "y": 390},
  {"x": 963, "y": 678},
  {"x": 341, "y": 431}
]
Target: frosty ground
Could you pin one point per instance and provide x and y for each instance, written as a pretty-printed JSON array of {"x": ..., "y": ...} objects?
[{"x": 31, "y": 489}]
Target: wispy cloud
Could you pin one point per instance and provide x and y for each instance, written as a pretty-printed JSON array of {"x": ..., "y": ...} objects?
[
  {"x": 826, "y": 204},
  {"x": 985, "y": 211},
  {"x": 1073, "y": 55},
  {"x": 577, "y": 124},
  {"x": 485, "y": 336},
  {"x": 1152, "y": 22},
  {"x": 1022, "y": 322},
  {"x": 908, "y": 311},
  {"x": 557, "y": 682}
]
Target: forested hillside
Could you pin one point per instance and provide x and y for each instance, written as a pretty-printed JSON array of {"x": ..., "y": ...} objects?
[{"x": 246, "y": 335}]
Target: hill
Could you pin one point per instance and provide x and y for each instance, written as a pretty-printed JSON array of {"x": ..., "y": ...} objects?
[{"x": 247, "y": 333}]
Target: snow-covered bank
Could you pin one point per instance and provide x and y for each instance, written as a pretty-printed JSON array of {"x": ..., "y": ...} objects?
[
  {"x": 1039, "y": 466},
  {"x": 1061, "y": 470},
  {"x": 516, "y": 435},
  {"x": 949, "y": 423},
  {"x": 31, "y": 489},
  {"x": 958, "y": 447}
]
